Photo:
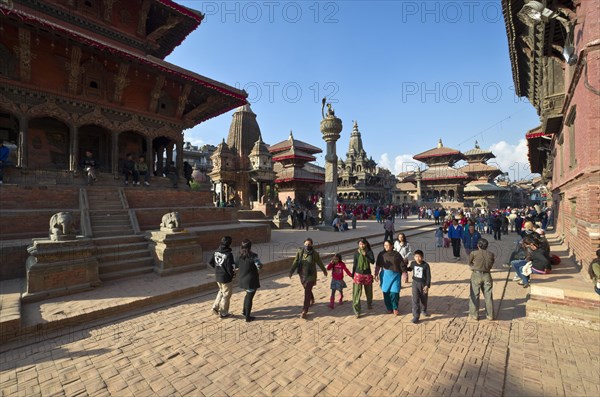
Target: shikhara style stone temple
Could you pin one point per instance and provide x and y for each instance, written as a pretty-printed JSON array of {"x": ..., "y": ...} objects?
[
  {"x": 442, "y": 182},
  {"x": 91, "y": 75},
  {"x": 242, "y": 167},
  {"x": 360, "y": 181}
]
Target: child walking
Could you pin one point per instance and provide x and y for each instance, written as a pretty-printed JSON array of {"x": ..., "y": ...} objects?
[
  {"x": 439, "y": 237},
  {"x": 420, "y": 285},
  {"x": 337, "y": 268}
]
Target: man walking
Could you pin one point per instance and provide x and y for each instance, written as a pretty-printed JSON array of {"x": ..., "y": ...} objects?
[
  {"x": 223, "y": 263},
  {"x": 455, "y": 233},
  {"x": 388, "y": 226},
  {"x": 481, "y": 262}
]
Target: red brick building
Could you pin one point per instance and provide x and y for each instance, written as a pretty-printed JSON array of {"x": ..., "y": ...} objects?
[
  {"x": 554, "y": 49},
  {"x": 77, "y": 75}
]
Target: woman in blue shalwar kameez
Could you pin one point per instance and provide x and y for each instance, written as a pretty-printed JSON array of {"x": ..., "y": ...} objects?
[{"x": 388, "y": 269}]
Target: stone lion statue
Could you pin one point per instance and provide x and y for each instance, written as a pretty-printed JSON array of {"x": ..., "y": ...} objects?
[
  {"x": 171, "y": 221},
  {"x": 61, "y": 226}
]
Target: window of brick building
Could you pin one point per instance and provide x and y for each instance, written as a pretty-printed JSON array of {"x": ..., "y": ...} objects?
[{"x": 573, "y": 218}]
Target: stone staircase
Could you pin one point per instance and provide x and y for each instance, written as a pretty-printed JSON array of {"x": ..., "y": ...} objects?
[
  {"x": 123, "y": 256},
  {"x": 120, "y": 252},
  {"x": 108, "y": 215}
]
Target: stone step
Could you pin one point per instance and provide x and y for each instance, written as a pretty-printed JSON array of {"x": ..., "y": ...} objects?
[
  {"x": 121, "y": 247},
  {"x": 103, "y": 223},
  {"x": 10, "y": 306},
  {"x": 121, "y": 255},
  {"x": 112, "y": 233},
  {"x": 115, "y": 241},
  {"x": 116, "y": 227},
  {"x": 126, "y": 273},
  {"x": 109, "y": 221},
  {"x": 106, "y": 207},
  {"x": 109, "y": 213},
  {"x": 557, "y": 312},
  {"x": 124, "y": 261}
]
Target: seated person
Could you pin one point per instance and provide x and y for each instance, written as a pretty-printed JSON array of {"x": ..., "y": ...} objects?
[
  {"x": 545, "y": 247},
  {"x": 89, "y": 165},
  {"x": 171, "y": 173},
  {"x": 594, "y": 272},
  {"x": 141, "y": 168},
  {"x": 4, "y": 161},
  {"x": 539, "y": 263},
  {"x": 343, "y": 223},
  {"x": 129, "y": 169},
  {"x": 337, "y": 224}
]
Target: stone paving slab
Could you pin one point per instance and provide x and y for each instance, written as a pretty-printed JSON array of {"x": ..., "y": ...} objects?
[{"x": 182, "y": 349}]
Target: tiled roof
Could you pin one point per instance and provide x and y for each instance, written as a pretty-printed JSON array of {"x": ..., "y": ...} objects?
[
  {"x": 441, "y": 173},
  {"x": 436, "y": 152},
  {"x": 298, "y": 145}
]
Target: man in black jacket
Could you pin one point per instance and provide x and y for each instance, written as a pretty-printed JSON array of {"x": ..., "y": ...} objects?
[{"x": 224, "y": 264}]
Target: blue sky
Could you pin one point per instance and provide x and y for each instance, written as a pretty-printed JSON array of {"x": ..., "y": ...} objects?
[{"x": 410, "y": 72}]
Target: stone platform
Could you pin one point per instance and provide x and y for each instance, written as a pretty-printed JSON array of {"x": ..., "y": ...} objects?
[{"x": 566, "y": 294}]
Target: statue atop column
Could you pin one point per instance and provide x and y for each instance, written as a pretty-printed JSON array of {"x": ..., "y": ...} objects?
[{"x": 331, "y": 126}]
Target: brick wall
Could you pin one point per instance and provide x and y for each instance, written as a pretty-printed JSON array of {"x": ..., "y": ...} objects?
[
  {"x": 150, "y": 219},
  {"x": 38, "y": 197},
  {"x": 576, "y": 181},
  {"x": 12, "y": 259},
  {"x": 167, "y": 199},
  {"x": 29, "y": 224}
]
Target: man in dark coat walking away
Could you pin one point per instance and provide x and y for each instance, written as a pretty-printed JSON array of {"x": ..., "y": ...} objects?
[
  {"x": 248, "y": 265},
  {"x": 223, "y": 263}
]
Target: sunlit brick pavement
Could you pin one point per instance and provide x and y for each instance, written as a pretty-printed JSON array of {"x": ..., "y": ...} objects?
[{"x": 183, "y": 349}]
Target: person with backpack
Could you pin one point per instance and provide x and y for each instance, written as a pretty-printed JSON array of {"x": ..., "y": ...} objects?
[
  {"x": 224, "y": 264},
  {"x": 305, "y": 263}
]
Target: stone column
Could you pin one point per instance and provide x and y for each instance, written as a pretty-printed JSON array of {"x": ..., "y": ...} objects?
[
  {"x": 159, "y": 160},
  {"x": 331, "y": 127},
  {"x": 418, "y": 178},
  {"x": 23, "y": 141},
  {"x": 179, "y": 162},
  {"x": 115, "y": 153},
  {"x": 170, "y": 152},
  {"x": 74, "y": 148},
  {"x": 220, "y": 193},
  {"x": 258, "y": 193}
]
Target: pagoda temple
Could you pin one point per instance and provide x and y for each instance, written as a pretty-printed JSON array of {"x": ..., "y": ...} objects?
[
  {"x": 297, "y": 177},
  {"x": 242, "y": 166},
  {"x": 482, "y": 191},
  {"x": 440, "y": 181},
  {"x": 91, "y": 75},
  {"x": 360, "y": 181}
]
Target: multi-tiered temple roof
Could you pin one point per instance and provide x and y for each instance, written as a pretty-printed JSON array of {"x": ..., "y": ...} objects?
[{"x": 291, "y": 157}]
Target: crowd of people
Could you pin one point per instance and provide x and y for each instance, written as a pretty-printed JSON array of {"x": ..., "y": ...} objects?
[{"x": 389, "y": 269}]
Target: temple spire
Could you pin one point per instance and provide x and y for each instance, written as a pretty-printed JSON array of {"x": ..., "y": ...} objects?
[
  {"x": 440, "y": 144},
  {"x": 356, "y": 145}
]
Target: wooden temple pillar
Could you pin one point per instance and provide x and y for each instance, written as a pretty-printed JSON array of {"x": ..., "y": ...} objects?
[
  {"x": 22, "y": 155},
  {"x": 115, "y": 153},
  {"x": 73, "y": 148}
]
